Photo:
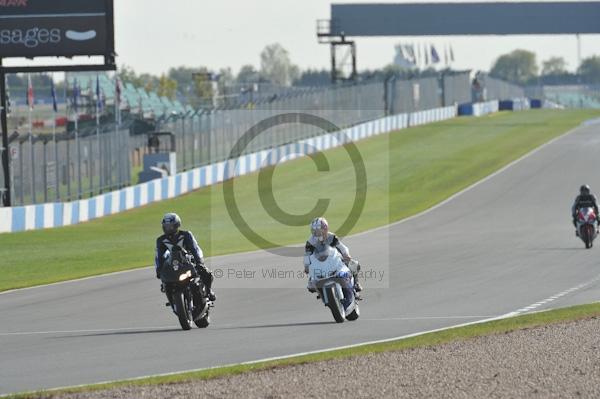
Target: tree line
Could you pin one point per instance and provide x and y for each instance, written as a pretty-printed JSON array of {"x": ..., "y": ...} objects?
[
  {"x": 199, "y": 85},
  {"x": 521, "y": 66}
]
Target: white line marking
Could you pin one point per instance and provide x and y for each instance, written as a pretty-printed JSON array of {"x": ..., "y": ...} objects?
[
  {"x": 284, "y": 356},
  {"x": 4, "y": 334},
  {"x": 76, "y": 280},
  {"x": 427, "y": 318},
  {"x": 505, "y": 316},
  {"x": 555, "y": 297},
  {"x": 159, "y": 328}
]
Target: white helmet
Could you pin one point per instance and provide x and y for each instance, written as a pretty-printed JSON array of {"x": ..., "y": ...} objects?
[{"x": 319, "y": 228}]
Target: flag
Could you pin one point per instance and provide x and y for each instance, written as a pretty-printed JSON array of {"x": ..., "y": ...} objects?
[
  {"x": 411, "y": 53},
  {"x": 446, "y": 57},
  {"x": 75, "y": 94},
  {"x": 99, "y": 102},
  {"x": 29, "y": 92},
  {"x": 117, "y": 101},
  {"x": 435, "y": 58},
  {"x": 53, "y": 94},
  {"x": 102, "y": 100},
  {"x": 117, "y": 91}
]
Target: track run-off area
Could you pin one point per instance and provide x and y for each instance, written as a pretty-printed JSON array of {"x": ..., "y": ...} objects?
[{"x": 503, "y": 246}]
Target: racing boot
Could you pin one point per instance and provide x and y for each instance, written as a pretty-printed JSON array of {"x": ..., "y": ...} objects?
[
  {"x": 211, "y": 296},
  {"x": 357, "y": 286}
]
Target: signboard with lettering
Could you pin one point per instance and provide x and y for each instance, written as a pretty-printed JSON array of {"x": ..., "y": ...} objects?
[{"x": 34, "y": 28}]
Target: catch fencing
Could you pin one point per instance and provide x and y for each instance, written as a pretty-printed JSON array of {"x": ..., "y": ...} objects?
[
  {"x": 31, "y": 217},
  {"x": 68, "y": 166},
  {"x": 76, "y": 165}
]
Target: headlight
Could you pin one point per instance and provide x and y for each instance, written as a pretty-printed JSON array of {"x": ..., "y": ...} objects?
[{"x": 185, "y": 275}]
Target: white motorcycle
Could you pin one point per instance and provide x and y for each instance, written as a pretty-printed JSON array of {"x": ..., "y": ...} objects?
[
  {"x": 334, "y": 284},
  {"x": 587, "y": 226}
]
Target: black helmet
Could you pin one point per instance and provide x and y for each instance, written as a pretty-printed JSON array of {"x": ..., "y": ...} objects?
[
  {"x": 171, "y": 223},
  {"x": 585, "y": 189}
]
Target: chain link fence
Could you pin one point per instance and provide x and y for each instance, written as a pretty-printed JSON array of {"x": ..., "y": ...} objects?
[
  {"x": 487, "y": 88},
  {"x": 71, "y": 164},
  {"x": 571, "y": 96}
]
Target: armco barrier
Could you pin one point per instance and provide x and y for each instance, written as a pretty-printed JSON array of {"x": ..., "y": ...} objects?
[
  {"x": 478, "y": 109},
  {"x": 43, "y": 216},
  {"x": 515, "y": 104},
  {"x": 489, "y": 107}
]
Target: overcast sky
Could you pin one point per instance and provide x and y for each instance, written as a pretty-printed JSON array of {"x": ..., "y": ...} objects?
[{"x": 154, "y": 35}]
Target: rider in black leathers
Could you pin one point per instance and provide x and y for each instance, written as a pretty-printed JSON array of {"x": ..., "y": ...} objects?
[
  {"x": 185, "y": 240},
  {"x": 585, "y": 199}
]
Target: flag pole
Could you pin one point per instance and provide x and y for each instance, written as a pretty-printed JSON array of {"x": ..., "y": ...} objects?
[
  {"x": 30, "y": 101},
  {"x": 77, "y": 144},
  {"x": 54, "y": 113},
  {"x": 98, "y": 135},
  {"x": 117, "y": 126}
]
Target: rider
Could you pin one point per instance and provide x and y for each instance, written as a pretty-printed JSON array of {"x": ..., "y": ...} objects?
[
  {"x": 319, "y": 239},
  {"x": 184, "y": 239},
  {"x": 585, "y": 199}
]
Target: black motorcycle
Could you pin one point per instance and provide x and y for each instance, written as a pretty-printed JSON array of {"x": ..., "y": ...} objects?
[{"x": 187, "y": 295}]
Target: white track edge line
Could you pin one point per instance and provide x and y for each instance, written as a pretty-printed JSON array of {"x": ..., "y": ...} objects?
[{"x": 283, "y": 357}]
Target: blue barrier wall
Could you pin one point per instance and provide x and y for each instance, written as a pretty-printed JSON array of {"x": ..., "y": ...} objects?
[{"x": 51, "y": 215}]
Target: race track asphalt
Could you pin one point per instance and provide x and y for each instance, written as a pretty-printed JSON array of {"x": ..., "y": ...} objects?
[{"x": 501, "y": 246}]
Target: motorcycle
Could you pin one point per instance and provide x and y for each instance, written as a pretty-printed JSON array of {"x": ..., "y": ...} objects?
[
  {"x": 587, "y": 226},
  {"x": 343, "y": 302},
  {"x": 187, "y": 295}
]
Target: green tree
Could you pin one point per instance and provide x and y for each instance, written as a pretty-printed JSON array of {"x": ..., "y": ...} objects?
[
  {"x": 167, "y": 87},
  {"x": 226, "y": 77},
  {"x": 590, "y": 69},
  {"x": 203, "y": 88},
  {"x": 128, "y": 75},
  {"x": 276, "y": 66},
  {"x": 518, "y": 66},
  {"x": 247, "y": 74},
  {"x": 314, "y": 77},
  {"x": 148, "y": 82},
  {"x": 554, "y": 66}
]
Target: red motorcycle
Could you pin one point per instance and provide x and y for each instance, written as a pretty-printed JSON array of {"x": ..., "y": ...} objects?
[{"x": 587, "y": 226}]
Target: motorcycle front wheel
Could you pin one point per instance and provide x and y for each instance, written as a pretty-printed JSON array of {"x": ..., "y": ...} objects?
[
  {"x": 184, "y": 313},
  {"x": 335, "y": 304},
  {"x": 588, "y": 236}
]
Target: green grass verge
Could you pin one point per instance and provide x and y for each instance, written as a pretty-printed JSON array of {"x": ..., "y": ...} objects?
[
  {"x": 407, "y": 172},
  {"x": 426, "y": 340}
]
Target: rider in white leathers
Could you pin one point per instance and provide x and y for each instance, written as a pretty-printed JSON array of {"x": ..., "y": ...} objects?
[{"x": 321, "y": 238}]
